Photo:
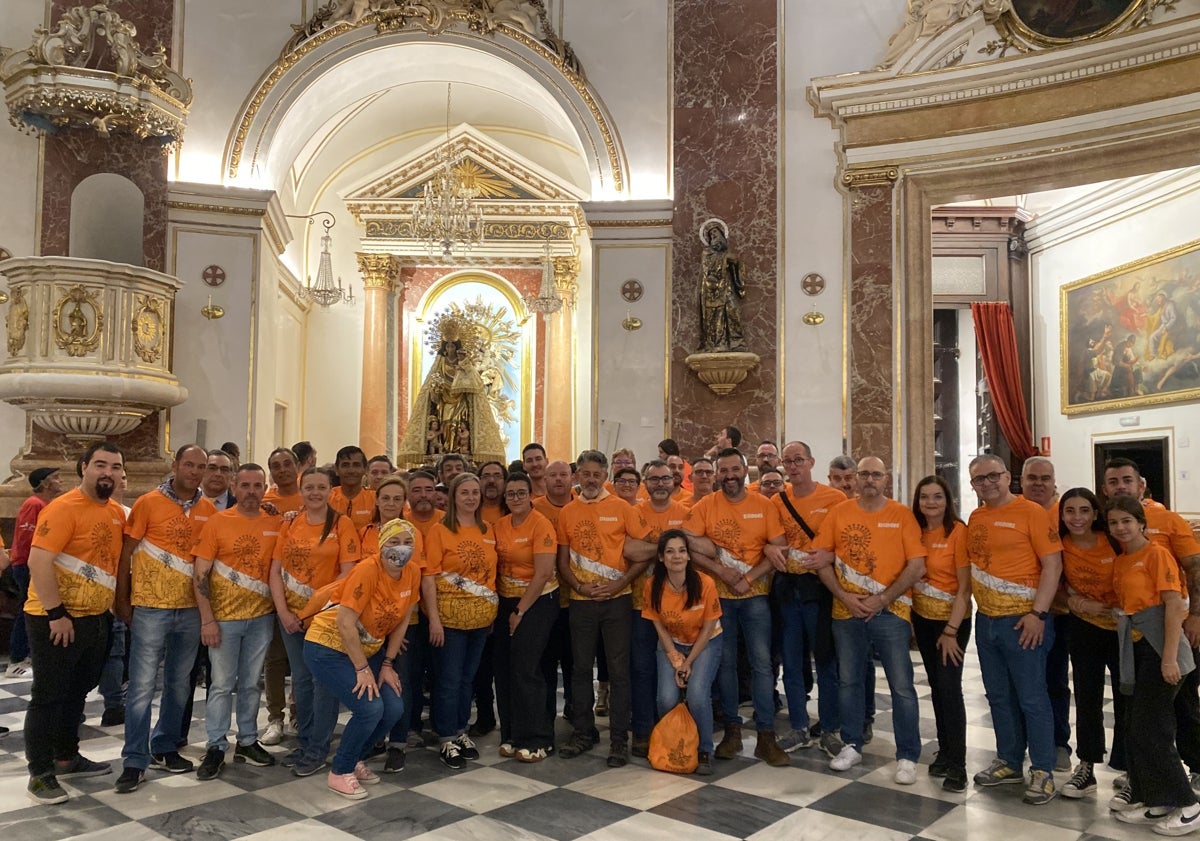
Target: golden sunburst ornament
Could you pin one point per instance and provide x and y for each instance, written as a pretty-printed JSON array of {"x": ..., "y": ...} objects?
[{"x": 482, "y": 183}]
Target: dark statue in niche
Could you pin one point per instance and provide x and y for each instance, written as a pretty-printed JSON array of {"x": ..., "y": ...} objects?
[{"x": 721, "y": 291}]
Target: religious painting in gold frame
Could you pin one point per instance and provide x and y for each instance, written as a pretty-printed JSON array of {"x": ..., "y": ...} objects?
[
  {"x": 1130, "y": 336},
  {"x": 1057, "y": 22}
]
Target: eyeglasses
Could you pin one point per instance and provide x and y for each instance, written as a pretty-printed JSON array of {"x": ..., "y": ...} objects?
[
  {"x": 792, "y": 462},
  {"x": 988, "y": 478},
  {"x": 660, "y": 480},
  {"x": 871, "y": 474},
  {"x": 625, "y": 481},
  {"x": 516, "y": 494},
  {"x": 771, "y": 483},
  {"x": 214, "y": 467}
]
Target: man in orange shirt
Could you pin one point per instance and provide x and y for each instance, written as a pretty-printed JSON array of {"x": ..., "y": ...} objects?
[
  {"x": 72, "y": 569},
  {"x": 378, "y": 469},
  {"x": 534, "y": 457},
  {"x": 704, "y": 476},
  {"x": 285, "y": 480},
  {"x": 492, "y": 476},
  {"x": 422, "y": 513},
  {"x": 601, "y": 551},
  {"x": 352, "y": 497},
  {"x": 843, "y": 475},
  {"x": 766, "y": 457}
]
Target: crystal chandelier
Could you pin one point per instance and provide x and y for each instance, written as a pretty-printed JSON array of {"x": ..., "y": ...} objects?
[
  {"x": 546, "y": 301},
  {"x": 324, "y": 292},
  {"x": 446, "y": 214}
]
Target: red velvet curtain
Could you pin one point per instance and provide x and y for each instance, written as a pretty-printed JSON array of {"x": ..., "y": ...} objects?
[{"x": 997, "y": 342}]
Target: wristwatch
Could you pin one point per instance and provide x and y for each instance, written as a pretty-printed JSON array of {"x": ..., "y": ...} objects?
[{"x": 1040, "y": 614}]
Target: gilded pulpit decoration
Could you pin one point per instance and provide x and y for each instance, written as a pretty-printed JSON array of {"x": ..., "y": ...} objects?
[
  {"x": 78, "y": 321},
  {"x": 566, "y": 279},
  {"x": 148, "y": 329},
  {"x": 17, "y": 322}
]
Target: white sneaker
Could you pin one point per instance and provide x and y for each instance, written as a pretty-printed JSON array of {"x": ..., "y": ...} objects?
[
  {"x": 1180, "y": 822},
  {"x": 846, "y": 760},
  {"x": 289, "y": 729},
  {"x": 19, "y": 668},
  {"x": 273, "y": 735},
  {"x": 906, "y": 772}
]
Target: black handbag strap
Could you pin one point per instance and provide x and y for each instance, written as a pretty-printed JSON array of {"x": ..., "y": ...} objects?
[{"x": 796, "y": 515}]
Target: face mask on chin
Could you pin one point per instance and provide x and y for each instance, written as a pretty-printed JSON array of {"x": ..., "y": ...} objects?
[{"x": 396, "y": 556}]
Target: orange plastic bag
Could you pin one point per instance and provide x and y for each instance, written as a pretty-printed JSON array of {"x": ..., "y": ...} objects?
[{"x": 675, "y": 742}]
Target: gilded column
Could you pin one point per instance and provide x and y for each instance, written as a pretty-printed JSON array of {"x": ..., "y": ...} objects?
[
  {"x": 379, "y": 274},
  {"x": 559, "y": 438}
]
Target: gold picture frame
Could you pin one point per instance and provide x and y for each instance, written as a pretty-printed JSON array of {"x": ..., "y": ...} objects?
[
  {"x": 1052, "y": 23},
  {"x": 1130, "y": 336}
]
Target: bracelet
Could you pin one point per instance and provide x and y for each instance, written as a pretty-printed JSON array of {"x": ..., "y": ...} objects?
[
  {"x": 953, "y": 630},
  {"x": 366, "y": 667},
  {"x": 950, "y": 634},
  {"x": 59, "y": 612},
  {"x": 387, "y": 661},
  {"x": 209, "y": 622}
]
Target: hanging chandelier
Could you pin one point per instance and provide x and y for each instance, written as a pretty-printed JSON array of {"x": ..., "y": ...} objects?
[
  {"x": 324, "y": 291},
  {"x": 547, "y": 300},
  {"x": 446, "y": 215}
]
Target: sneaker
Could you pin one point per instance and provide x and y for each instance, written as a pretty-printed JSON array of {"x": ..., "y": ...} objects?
[
  {"x": 415, "y": 740},
  {"x": 113, "y": 717},
  {"x": 253, "y": 753},
  {"x": 868, "y": 732},
  {"x": 211, "y": 765},
  {"x": 1041, "y": 788},
  {"x": 906, "y": 772},
  {"x": 640, "y": 747},
  {"x": 846, "y": 760},
  {"x": 832, "y": 744},
  {"x": 290, "y": 758},
  {"x": 451, "y": 756},
  {"x": 1123, "y": 800},
  {"x": 467, "y": 747},
  {"x": 794, "y": 740},
  {"x": 1181, "y": 821},
  {"x": 1143, "y": 815},
  {"x": 308, "y": 765},
  {"x": 290, "y": 730},
  {"x": 1121, "y": 781},
  {"x": 395, "y": 761},
  {"x": 172, "y": 763},
  {"x": 618, "y": 755},
  {"x": 507, "y": 750},
  {"x": 939, "y": 767},
  {"x": 602, "y": 700},
  {"x": 527, "y": 755},
  {"x": 79, "y": 766},
  {"x": 999, "y": 773},
  {"x": 704, "y": 765},
  {"x": 273, "y": 735},
  {"x": 347, "y": 785},
  {"x": 365, "y": 775},
  {"x": 955, "y": 780},
  {"x": 1062, "y": 758},
  {"x": 1082, "y": 782},
  {"x": 4, "y": 731},
  {"x": 129, "y": 780},
  {"x": 576, "y": 744},
  {"x": 21, "y": 668},
  {"x": 45, "y": 790}
]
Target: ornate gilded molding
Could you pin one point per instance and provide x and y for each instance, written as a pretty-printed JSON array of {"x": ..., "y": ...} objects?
[
  {"x": 631, "y": 223},
  {"x": 149, "y": 328},
  {"x": 276, "y": 240},
  {"x": 506, "y": 231},
  {"x": 566, "y": 279},
  {"x": 82, "y": 335},
  {"x": 852, "y": 179},
  {"x": 17, "y": 321},
  {"x": 379, "y": 271}
]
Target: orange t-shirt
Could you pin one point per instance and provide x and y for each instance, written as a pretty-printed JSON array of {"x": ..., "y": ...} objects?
[
  {"x": 933, "y": 596},
  {"x": 86, "y": 538},
  {"x": 659, "y": 521},
  {"x": 379, "y": 600},
  {"x": 1140, "y": 578},
  {"x": 515, "y": 548},
  {"x": 595, "y": 532},
  {"x": 740, "y": 530},
  {"x": 307, "y": 563},
  {"x": 423, "y": 526},
  {"x": 291, "y": 502},
  {"x": 872, "y": 549},
  {"x": 240, "y": 548},
  {"x": 1089, "y": 572},
  {"x": 369, "y": 540},
  {"x": 641, "y": 496},
  {"x": 550, "y": 511},
  {"x": 813, "y": 509},
  {"x": 360, "y": 509},
  {"x": 162, "y": 560},
  {"x": 681, "y": 622},
  {"x": 464, "y": 566},
  {"x": 1005, "y": 546},
  {"x": 490, "y": 513},
  {"x": 1169, "y": 530}
]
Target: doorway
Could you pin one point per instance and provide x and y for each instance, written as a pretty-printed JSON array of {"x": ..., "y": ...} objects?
[{"x": 1153, "y": 460}]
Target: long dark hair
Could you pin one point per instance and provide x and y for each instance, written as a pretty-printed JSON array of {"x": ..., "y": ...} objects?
[
  {"x": 692, "y": 584},
  {"x": 331, "y": 516},
  {"x": 1100, "y": 524},
  {"x": 950, "y": 518},
  {"x": 1130, "y": 506}
]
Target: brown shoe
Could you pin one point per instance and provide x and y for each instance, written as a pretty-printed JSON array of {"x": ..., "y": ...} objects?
[
  {"x": 768, "y": 749},
  {"x": 731, "y": 745}
]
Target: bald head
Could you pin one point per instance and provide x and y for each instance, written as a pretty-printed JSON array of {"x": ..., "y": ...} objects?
[
  {"x": 558, "y": 480},
  {"x": 872, "y": 479}
]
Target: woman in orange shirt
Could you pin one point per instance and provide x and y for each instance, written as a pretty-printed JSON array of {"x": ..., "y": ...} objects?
[
  {"x": 686, "y": 612},
  {"x": 1088, "y": 560},
  {"x": 315, "y": 548},
  {"x": 526, "y": 548},
  {"x": 1150, "y": 598},
  {"x": 390, "y": 497},
  {"x": 459, "y": 596},
  {"x": 941, "y": 620}
]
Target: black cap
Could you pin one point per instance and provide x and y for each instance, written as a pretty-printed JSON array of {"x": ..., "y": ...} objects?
[{"x": 41, "y": 475}]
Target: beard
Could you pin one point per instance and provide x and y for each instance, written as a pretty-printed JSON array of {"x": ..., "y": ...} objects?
[{"x": 104, "y": 491}]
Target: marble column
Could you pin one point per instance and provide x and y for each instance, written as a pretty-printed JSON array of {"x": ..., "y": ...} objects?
[
  {"x": 726, "y": 118},
  {"x": 559, "y": 415},
  {"x": 379, "y": 275}
]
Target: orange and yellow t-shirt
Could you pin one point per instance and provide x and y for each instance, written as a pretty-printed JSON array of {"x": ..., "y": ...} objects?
[
  {"x": 550, "y": 511},
  {"x": 515, "y": 548},
  {"x": 306, "y": 563},
  {"x": 463, "y": 564},
  {"x": 671, "y": 517},
  {"x": 1140, "y": 577},
  {"x": 1005, "y": 545},
  {"x": 86, "y": 538},
  {"x": 360, "y": 509},
  {"x": 240, "y": 548},
  {"x": 1089, "y": 573},
  {"x": 490, "y": 513},
  {"x": 594, "y": 532},
  {"x": 933, "y": 596},
  {"x": 872, "y": 549},
  {"x": 681, "y": 622},
  {"x": 284, "y": 504},
  {"x": 162, "y": 560},
  {"x": 740, "y": 530},
  {"x": 813, "y": 508},
  {"x": 423, "y": 526},
  {"x": 380, "y": 601}
]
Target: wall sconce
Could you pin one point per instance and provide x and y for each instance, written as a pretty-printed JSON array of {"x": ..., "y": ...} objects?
[
  {"x": 210, "y": 312},
  {"x": 813, "y": 284},
  {"x": 812, "y": 319},
  {"x": 630, "y": 323},
  {"x": 3, "y": 297}
]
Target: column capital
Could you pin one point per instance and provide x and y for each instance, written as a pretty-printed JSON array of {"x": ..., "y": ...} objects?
[
  {"x": 379, "y": 271},
  {"x": 566, "y": 278}
]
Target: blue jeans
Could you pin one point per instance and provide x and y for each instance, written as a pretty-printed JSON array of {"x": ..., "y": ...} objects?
[
  {"x": 170, "y": 637},
  {"x": 889, "y": 634},
  {"x": 1015, "y": 681},
  {"x": 699, "y": 696},
  {"x": 642, "y": 666},
  {"x": 799, "y": 637},
  {"x": 112, "y": 679},
  {"x": 304, "y": 692},
  {"x": 18, "y": 641},
  {"x": 751, "y": 617},
  {"x": 454, "y": 667},
  {"x": 370, "y": 720},
  {"x": 236, "y": 664}
]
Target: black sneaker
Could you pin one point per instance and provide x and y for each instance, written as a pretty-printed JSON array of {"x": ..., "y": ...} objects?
[
  {"x": 377, "y": 749},
  {"x": 395, "y": 761},
  {"x": 451, "y": 756},
  {"x": 467, "y": 747},
  {"x": 955, "y": 780},
  {"x": 211, "y": 765},
  {"x": 575, "y": 745},
  {"x": 704, "y": 765},
  {"x": 253, "y": 753},
  {"x": 939, "y": 767},
  {"x": 3, "y": 732},
  {"x": 618, "y": 755},
  {"x": 129, "y": 780},
  {"x": 45, "y": 790},
  {"x": 80, "y": 766},
  {"x": 289, "y": 760},
  {"x": 113, "y": 717},
  {"x": 868, "y": 732},
  {"x": 172, "y": 763}
]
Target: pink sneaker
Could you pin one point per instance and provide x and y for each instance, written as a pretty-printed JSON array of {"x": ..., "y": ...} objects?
[
  {"x": 346, "y": 785},
  {"x": 365, "y": 775}
]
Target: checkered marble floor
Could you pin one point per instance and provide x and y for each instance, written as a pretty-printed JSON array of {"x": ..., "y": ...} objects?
[{"x": 562, "y": 799}]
